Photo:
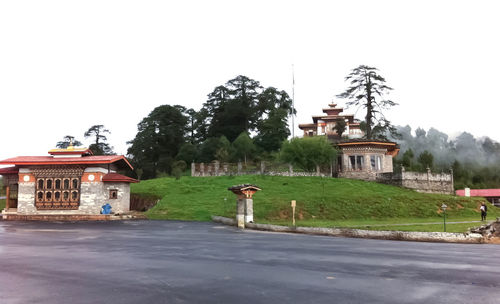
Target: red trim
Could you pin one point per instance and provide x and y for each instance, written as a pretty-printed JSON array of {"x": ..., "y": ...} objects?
[
  {"x": 480, "y": 192},
  {"x": 49, "y": 160},
  {"x": 115, "y": 177}
]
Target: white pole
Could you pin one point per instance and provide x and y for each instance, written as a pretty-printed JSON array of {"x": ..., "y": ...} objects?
[{"x": 293, "y": 100}]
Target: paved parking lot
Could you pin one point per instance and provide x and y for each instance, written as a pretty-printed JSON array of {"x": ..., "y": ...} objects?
[{"x": 190, "y": 262}]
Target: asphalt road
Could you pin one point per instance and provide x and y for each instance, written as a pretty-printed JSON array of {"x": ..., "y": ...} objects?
[{"x": 183, "y": 262}]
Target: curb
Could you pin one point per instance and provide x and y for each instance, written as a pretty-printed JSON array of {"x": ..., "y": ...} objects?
[{"x": 442, "y": 237}]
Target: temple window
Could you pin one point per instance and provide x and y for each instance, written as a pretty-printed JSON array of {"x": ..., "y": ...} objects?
[
  {"x": 74, "y": 183},
  {"x": 39, "y": 196},
  {"x": 40, "y": 183},
  {"x": 376, "y": 162},
  {"x": 50, "y": 196},
  {"x": 57, "y": 196},
  {"x": 113, "y": 194},
  {"x": 74, "y": 195},
  {"x": 356, "y": 162},
  {"x": 66, "y": 183},
  {"x": 360, "y": 160}
]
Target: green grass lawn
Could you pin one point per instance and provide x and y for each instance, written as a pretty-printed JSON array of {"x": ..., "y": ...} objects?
[{"x": 321, "y": 202}]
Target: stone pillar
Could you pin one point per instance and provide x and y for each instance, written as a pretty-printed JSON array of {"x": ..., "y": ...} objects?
[
  {"x": 7, "y": 197},
  {"x": 193, "y": 169},
  {"x": 239, "y": 167},
  {"x": 347, "y": 164},
  {"x": 240, "y": 213},
  {"x": 248, "y": 210},
  {"x": 452, "y": 188},
  {"x": 290, "y": 169},
  {"x": 202, "y": 169},
  {"x": 217, "y": 166},
  {"x": 428, "y": 178},
  {"x": 262, "y": 167},
  {"x": 318, "y": 171}
]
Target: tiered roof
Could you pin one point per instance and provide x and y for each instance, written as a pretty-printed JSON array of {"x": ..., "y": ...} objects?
[{"x": 68, "y": 156}]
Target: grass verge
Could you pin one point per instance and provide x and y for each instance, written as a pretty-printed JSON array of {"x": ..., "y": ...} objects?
[{"x": 321, "y": 202}]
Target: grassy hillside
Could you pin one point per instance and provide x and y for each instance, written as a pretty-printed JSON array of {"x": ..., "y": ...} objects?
[{"x": 320, "y": 201}]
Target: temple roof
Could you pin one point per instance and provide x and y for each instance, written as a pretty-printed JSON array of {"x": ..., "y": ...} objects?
[
  {"x": 84, "y": 160},
  {"x": 392, "y": 147}
]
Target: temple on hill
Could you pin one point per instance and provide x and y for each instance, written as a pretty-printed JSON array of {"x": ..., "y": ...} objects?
[
  {"x": 71, "y": 182},
  {"x": 325, "y": 124},
  {"x": 358, "y": 158}
]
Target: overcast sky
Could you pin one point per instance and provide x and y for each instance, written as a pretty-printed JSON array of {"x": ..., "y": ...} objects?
[{"x": 67, "y": 65}]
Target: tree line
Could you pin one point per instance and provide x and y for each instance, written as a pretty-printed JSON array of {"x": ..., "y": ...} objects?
[{"x": 241, "y": 120}]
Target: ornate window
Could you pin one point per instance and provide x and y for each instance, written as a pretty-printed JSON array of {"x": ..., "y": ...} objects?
[
  {"x": 62, "y": 192},
  {"x": 376, "y": 162}
]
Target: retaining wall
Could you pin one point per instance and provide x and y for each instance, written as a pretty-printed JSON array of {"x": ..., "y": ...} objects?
[
  {"x": 217, "y": 168},
  {"x": 369, "y": 234},
  {"x": 422, "y": 182}
]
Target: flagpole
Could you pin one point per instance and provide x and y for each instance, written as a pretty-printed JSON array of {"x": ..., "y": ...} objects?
[{"x": 293, "y": 101}]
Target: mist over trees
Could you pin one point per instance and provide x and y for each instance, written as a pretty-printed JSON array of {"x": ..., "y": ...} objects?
[{"x": 475, "y": 161}]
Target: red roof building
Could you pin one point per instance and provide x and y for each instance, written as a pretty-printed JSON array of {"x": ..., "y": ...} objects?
[
  {"x": 492, "y": 195},
  {"x": 69, "y": 181}
]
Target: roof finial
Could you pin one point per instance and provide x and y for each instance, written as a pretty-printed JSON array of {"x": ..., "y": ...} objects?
[{"x": 70, "y": 146}]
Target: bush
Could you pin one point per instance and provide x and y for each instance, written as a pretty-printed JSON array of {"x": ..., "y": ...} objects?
[{"x": 308, "y": 152}]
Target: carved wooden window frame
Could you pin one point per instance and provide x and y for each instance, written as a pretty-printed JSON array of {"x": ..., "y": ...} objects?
[{"x": 57, "y": 188}]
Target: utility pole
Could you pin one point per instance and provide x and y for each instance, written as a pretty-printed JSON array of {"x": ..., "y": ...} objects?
[{"x": 293, "y": 101}]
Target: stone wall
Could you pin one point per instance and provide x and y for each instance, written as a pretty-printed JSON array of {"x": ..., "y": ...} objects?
[
  {"x": 26, "y": 198},
  {"x": 122, "y": 202},
  {"x": 427, "y": 182},
  {"x": 96, "y": 194},
  {"x": 226, "y": 169}
]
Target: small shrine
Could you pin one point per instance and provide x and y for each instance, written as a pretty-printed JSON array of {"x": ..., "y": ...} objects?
[
  {"x": 70, "y": 181},
  {"x": 244, "y": 205},
  {"x": 364, "y": 159}
]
